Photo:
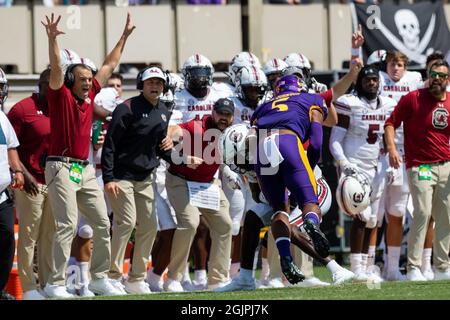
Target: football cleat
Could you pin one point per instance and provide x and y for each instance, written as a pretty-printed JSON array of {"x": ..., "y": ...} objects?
[
  {"x": 238, "y": 284},
  {"x": 290, "y": 270},
  {"x": 320, "y": 242}
]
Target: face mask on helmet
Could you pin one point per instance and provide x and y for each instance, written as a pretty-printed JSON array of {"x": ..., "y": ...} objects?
[
  {"x": 252, "y": 95},
  {"x": 4, "y": 88},
  {"x": 198, "y": 78}
]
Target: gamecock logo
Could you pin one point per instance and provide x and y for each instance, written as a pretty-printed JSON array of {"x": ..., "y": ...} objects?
[
  {"x": 358, "y": 197},
  {"x": 440, "y": 118}
]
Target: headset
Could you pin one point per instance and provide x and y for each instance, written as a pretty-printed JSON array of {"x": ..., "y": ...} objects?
[
  {"x": 140, "y": 83},
  {"x": 69, "y": 77}
]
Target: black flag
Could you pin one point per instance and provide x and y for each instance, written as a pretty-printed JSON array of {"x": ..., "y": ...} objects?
[{"x": 413, "y": 29}]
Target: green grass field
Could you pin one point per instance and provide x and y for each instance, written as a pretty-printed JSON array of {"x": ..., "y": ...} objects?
[{"x": 432, "y": 290}]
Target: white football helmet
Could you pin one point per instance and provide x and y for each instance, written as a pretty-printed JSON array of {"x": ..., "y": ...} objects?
[
  {"x": 4, "y": 88},
  {"x": 274, "y": 66},
  {"x": 300, "y": 61},
  {"x": 90, "y": 64},
  {"x": 198, "y": 72},
  {"x": 251, "y": 76},
  {"x": 68, "y": 57},
  {"x": 242, "y": 59},
  {"x": 378, "y": 56},
  {"x": 232, "y": 145},
  {"x": 324, "y": 195},
  {"x": 353, "y": 194}
]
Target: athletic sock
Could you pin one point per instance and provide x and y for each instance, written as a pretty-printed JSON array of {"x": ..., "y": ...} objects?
[
  {"x": 313, "y": 217},
  {"x": 393, "y": 258},
  {"x": 84, "y": 272},
  {"x": 355, "y": 262},
  {"x": 364, "y": 257},
  {"x": 234, "y": 269},
  {"x": 333, "y": 266},
  {"x": 246, "y": 274},
  {"x": 284, "y": 246},
  {"x": 426, "y": 259},
  {"x": 371, "y": 257}
]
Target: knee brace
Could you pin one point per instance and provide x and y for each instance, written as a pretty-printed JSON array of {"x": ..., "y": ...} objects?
[{"x": 85, "y": 232}]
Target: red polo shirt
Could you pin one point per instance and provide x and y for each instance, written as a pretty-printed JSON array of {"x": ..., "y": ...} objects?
[
  {"x": 204, "y": 172},
  {"x": 71, "y": 122},
  {"x": 426, "y": 127},
  {"x": 32, "y": 126}
]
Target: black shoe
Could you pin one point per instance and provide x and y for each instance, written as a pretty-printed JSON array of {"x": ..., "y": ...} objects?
[
  {"x": 320, "y": 242},
  {"x": 290, "y": 270},
  {"x": 6, "y": 296}
]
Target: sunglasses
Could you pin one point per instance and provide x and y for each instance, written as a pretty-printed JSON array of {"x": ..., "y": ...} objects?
[{"x": 441, "y": 75}]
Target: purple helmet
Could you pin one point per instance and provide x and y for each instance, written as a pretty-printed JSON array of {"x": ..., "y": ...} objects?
[{"x": 289, "y": 83}]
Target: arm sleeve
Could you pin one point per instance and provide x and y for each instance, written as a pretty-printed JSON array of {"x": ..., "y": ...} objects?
[
  {"x": 315, "y": 144},
  {"x": 401, "y": 112},
  {"x": 15, "y": 116},
  {"x": 336, "y": 139},
  {"x": 116, "y": 129}
]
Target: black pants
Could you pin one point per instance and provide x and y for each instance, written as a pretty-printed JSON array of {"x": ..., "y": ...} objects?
[{"x": 7, "y": 242}]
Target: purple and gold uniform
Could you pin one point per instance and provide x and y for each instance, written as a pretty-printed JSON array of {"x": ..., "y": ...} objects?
[{"x": 292, "y": 111}]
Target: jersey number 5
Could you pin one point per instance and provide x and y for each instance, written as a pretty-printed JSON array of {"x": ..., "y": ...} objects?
[
  {"x": 372, "y": 134},
  {"x": 280, "y": 106}
]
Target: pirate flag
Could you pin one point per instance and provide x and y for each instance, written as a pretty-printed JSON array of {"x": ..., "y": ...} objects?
[{"x": 413, "y": 29}]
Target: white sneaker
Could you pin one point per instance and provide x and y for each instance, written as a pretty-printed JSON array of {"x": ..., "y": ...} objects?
[
  {"x": 415, "y": 275},
  {"x": 312, "y": 282},
  {"x": 173, "y": 286},
  {"x": 360, "y": 277},
  {"x": 395, "y": 275},
  {"x": 187, "y": 286},
  {"x": 442, "y": 275},
  {"x": 341, "y": 276},
  {"x": 84, "y": 292},
  {"x": 56, "y": 291},
  {"x": 32, "y": 295},
  {"x": 155, "y": 282},
  {"x": 104, "y": 287},
  {"x": 137, "y": 287},
  {"x": 374, "y": 277},
  {"x": 274, "y": 283},
  {"x": 428, "y": 274},
  {"x": 215, "y": 286},
  {"x": 116, "y": 283},
  {"x": 200, "y": 285},
  {"x": 238, "y": 284}
]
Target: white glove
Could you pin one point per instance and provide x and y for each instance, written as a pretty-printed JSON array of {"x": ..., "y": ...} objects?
[
  {"x": 317, "y": 86},
  {"x": 348, "y": 168},
  {"x": 231, "y": 178}
]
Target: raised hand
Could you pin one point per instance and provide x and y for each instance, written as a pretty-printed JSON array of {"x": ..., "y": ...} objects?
[
  {"x": 52, "y": 26},
  {"x": 357, "y": 38},
  {"x": 129, "y": 27}
]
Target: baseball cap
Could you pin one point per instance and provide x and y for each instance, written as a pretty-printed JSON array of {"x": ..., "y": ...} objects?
[
  {"x": 153, "y": 72},
  {"x": 224, "y": 104}
]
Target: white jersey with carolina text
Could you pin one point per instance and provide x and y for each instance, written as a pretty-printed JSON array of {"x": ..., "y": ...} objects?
[
  {"x": 363, "y": 139},
  {"x": 195, "y": 108},
  {"x": 242, "y": 113},
  {"x": 410, "y": 81}
]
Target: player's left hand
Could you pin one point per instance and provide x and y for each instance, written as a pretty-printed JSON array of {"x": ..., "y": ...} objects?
[
  {"x": 318, "y": 87},
  {"x": 166, "y": 144},
  {"x": 129, "y": 27},
  {"x": 357, "y": 38}
]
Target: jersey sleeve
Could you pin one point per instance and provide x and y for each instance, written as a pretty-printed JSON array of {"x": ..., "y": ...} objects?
[
  {"x": 10, "y": 134},
  {"x": 320, "y": 105},
  {"x": 343, "y": 106}
]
